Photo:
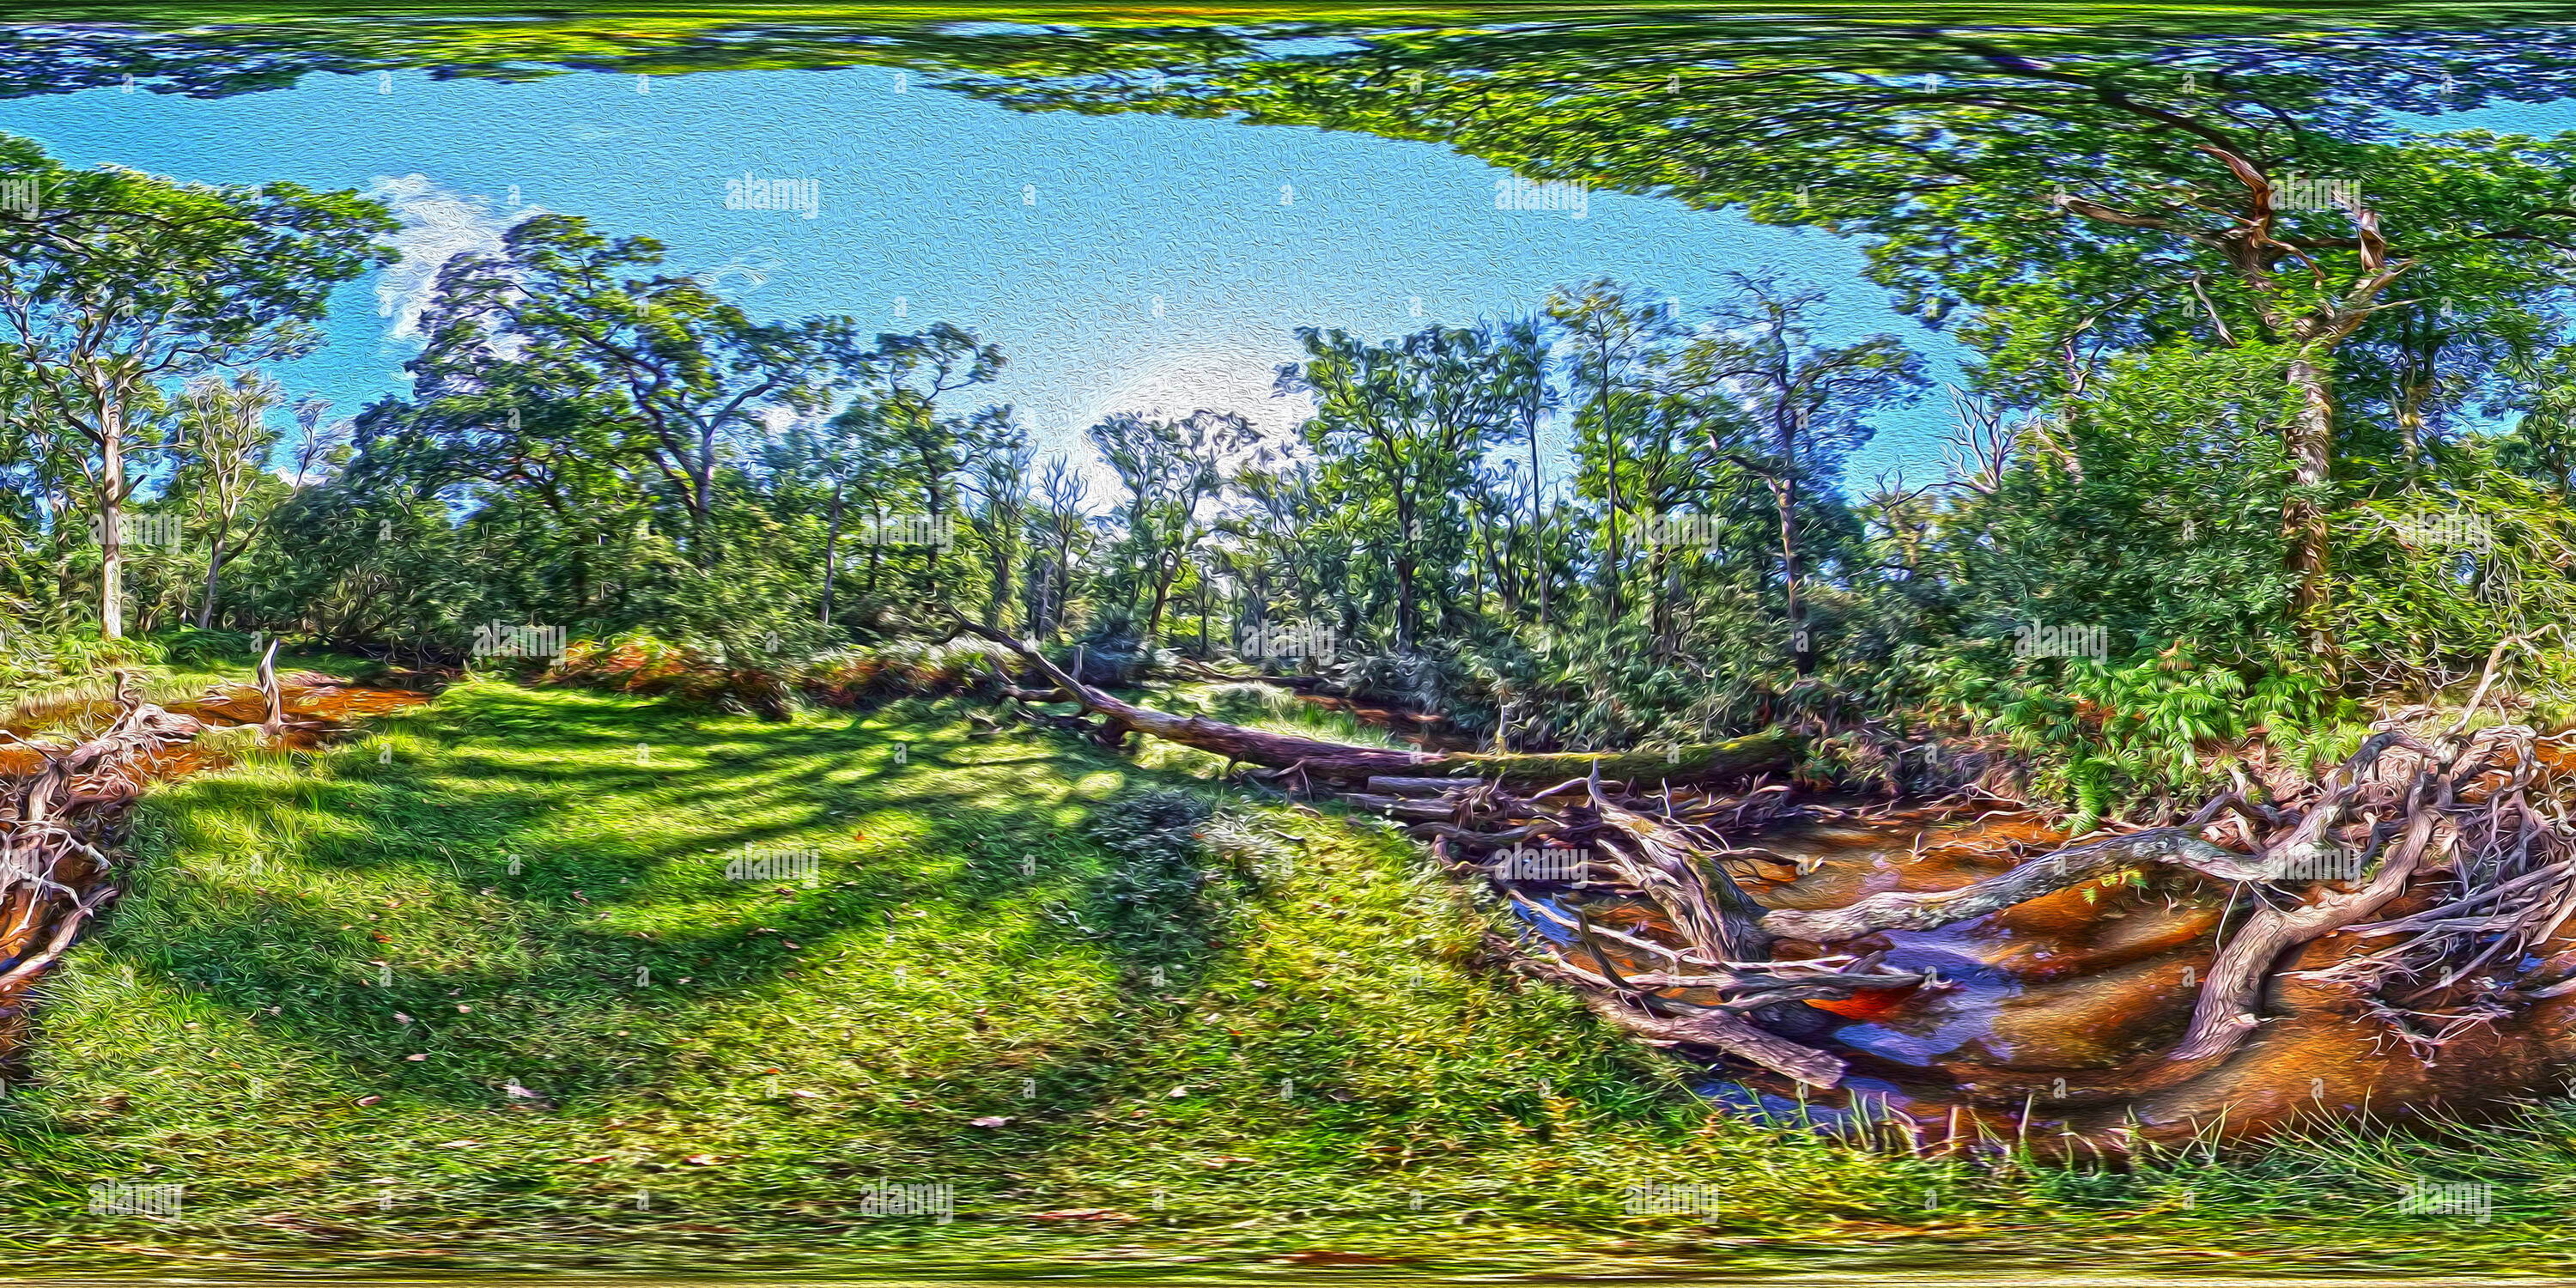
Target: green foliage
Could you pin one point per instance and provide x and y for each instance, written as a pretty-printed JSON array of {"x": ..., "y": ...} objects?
[
  {"x": 192, "y": 647},
  {"x": 2164, "y": 725},
  {"x": 1159, "y": 894}
]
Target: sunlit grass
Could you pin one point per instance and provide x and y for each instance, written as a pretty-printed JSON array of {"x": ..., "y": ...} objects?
[{"x": 504, "y": 885}]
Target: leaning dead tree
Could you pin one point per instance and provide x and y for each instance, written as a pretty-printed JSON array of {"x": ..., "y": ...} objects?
[
  {"x": 2441, "y": 859},
  {"x": 58, "y": 823}
]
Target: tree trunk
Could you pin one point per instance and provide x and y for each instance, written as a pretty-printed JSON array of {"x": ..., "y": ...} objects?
[
  {"x": 111, "y": 513},
  {"x": 1611, "y": 571},
  {"x": 2303, "y": 519},
  {"x": 1353, "y": 765},
  {"x": 934, "y": 501},
  {"x": 702, "y": 484},
  {"x": 1002, "y": 570},
  {"x": 1162, "y": 594},
  {"x": 1659, "y": 612},
  {"x": 214, "y": 571},
  {"x": 876, "y": 546},
  {"x": 1404, "y": 624},
  {"x": 703, "y": 480},
  {"x": 1802, "y": 650},
  {"x": 832, "y": 550},
  {"x": 1063, "y": 586},
  {"x": 1538, "y": 526}
]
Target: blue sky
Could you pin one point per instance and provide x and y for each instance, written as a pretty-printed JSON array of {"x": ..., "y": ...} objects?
[{"x": 1054, "y": 234}]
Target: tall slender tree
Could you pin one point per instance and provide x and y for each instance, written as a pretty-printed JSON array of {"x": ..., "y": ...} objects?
[{"x": 122, "y": 282}]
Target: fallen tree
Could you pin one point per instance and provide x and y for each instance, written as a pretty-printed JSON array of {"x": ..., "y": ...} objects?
[
  {"x": 58, "y": 823},
  {"x": 1316, "y": 760},
  {"x": 1650, "y": 843}
]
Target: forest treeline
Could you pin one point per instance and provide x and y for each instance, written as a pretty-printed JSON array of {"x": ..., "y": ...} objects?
[{"x": 2241, "y": 449}]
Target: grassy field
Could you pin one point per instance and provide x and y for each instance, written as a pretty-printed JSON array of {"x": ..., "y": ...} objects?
[{"x": 476, "y": 993}]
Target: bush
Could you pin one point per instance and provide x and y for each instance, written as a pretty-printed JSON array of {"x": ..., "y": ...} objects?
[
  {"x": 189, "y": 646},
  {"x": 904, "y": 668},
  {"x": 29, "y": 658},
  {"x": 643, "y": 663}
]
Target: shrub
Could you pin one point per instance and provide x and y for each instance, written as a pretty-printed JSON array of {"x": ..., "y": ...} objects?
[
  {"x": 189, "y": 646},
  {"x": 643, "y": 663},
  {"x": 903, "y": 668}
]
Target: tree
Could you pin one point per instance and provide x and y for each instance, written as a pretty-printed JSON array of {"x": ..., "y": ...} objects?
[
  {"x": 1640, "y": 443},
  {"x": 1002, "y": 483},
  {"x": 1060, "y": 529},
  {"x": 1400, "y": 426},
  {"x": 1170, "y": 469},
  {"x": 658, "y": 372},
  {"x": 906, "y": 376},
  {"x": 2076, "y": 190},
  {"x": 1523, "y": 372},
  {"x": 225, "y": 439},
  {"x": 125, "y": 281},
  {"x": 1806, "y": 403},
  {"x": 848, "y": 455}
]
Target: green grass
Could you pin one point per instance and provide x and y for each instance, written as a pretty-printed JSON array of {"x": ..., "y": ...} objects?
[{"x": 959, "y": 959}]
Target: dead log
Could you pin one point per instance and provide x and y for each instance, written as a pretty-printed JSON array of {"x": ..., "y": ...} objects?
[
  {"x": 2044, "y": 875},
  {"x": 1344, "y": 763},
  {"x": 1388, "y": 785},
  {"x": 275, "y": 725},
  {"x": 2458, "y": 821},
  {"x": 57, "y": 822},
  {"x": 1722, "y": 1030},
  {"x": 1699, "y": 899},
  {"x": 2310, "y": 839},
  {"x": 1404, "y": 808}
]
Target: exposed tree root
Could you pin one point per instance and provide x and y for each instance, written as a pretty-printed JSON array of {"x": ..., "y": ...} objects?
[
  {"x": 2465, "y": 826},
  {"x": 58, "y": 823}
]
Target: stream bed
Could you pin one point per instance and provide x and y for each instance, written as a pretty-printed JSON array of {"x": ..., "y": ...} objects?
[
  {"x": 2049, "y": 1021},
  {"x": 319, "y": 709}
]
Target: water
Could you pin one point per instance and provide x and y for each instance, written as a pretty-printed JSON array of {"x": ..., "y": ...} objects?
[{"x": 2051, "y": 1018}]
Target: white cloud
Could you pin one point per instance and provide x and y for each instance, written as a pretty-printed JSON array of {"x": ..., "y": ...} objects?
[
  {"x": 1172, "y": 384},
  {"x": 1216, "y": 379},
  {"x": 437, "y": 226}
]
